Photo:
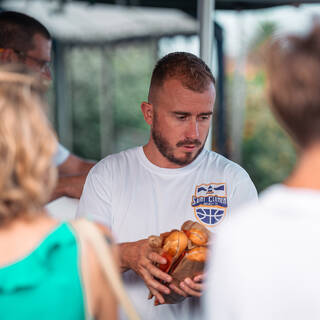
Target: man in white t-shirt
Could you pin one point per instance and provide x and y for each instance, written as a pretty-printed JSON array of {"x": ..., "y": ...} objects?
[
  {"x": 24, "y": 40},
  {"x": 265, "y": 264},
  {"x": 155, "y": 188}
]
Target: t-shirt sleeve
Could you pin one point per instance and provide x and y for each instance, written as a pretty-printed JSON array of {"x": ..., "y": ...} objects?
[
  {"x": 95, "y": 201},
  {"x": 61, "y": 155},
  {"x": 243, "y": 192}
]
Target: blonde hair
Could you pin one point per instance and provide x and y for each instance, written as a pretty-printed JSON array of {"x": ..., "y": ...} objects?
[{"x": 27, "y": 144}]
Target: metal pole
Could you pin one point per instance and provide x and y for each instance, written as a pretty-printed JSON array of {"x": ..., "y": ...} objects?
[
  {"x": 205, "y": 18},
  {"x": 205, "y": 14},
  {"x": 220, "y": 112},
  {"x": 63, "y": 105},
  {"x": 106, "y": 102}
]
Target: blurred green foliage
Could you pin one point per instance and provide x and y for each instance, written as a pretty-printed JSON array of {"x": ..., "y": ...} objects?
[
  {"x": 268, "y": 154},
  {"x": 115, "y": 78},
  {"x": 133, "y": 66},
  {"x": 84, "y": 79},
  {"x": 265, "y": 30}
]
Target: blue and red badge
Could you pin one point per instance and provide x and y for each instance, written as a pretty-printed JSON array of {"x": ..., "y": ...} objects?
[{"x": 210, "y": 203}]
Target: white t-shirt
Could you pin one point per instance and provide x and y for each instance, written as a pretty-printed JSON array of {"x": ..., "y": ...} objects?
[
  {"x": 137, "y": 199},
  {"x": 266, "y": 263}
]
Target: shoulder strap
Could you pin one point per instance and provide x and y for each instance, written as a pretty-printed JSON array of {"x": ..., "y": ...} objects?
[{"x": 89, "y": 232}]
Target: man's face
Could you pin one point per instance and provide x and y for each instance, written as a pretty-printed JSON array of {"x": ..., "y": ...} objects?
[
  {"x": 39, "y": 58},
  {"x": 181, "y": 121}
]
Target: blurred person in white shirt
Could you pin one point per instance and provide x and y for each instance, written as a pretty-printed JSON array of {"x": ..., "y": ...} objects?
[{"x": 265, "y": 264}]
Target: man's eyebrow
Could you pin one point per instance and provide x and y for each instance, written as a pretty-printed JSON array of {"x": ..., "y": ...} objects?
[
  {"x": 205, "y": 113},
  {"x": 182, "y": 113}
]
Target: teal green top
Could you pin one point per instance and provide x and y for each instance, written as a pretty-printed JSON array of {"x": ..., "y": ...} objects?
[{"x": 46, "y": 284}]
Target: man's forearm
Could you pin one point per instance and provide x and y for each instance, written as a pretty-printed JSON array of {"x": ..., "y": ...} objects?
[
  {"x": 70, "y": 186},
  {"x": 75, "y": 166}
]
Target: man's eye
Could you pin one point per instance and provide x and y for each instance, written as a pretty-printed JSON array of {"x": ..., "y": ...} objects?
[
  {"x": 205, "y": 117},
  {"x": 181, "y": 117}
]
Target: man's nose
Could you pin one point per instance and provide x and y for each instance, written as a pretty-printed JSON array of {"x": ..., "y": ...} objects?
[{"x": 193, "y": 129}]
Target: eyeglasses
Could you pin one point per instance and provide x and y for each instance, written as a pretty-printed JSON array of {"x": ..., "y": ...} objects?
[{"x": 42, "y": 64}]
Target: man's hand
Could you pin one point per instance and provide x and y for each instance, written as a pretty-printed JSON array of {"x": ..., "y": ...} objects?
[
  {"x": 190, "y": 287},
  {"x": 140, "y": 257}
]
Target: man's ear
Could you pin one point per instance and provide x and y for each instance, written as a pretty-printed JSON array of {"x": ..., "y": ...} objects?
[
  {"x": 147, "y": 110},
  {"x": 8, "y": 56}
]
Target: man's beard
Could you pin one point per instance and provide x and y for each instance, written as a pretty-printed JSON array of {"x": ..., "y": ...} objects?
[{"x": 168, "y": 152}]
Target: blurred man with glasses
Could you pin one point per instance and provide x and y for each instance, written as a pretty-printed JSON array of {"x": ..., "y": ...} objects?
[
  {"x": 25, "y": 40},
  {"x": 40, "y": 65}
]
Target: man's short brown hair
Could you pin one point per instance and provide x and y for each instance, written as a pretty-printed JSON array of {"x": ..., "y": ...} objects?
[
  {"x": 293, "y": 65},
  {"x": 193, "y": 73},
  {"x": 17, "y": 30}
]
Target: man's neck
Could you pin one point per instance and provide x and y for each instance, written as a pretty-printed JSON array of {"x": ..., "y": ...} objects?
[
  {"x": 307, "y": 171},
  {"x": 154, "y": 156}
]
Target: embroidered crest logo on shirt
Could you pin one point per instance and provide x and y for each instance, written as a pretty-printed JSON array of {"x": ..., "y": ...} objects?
[{"x": 210, "y": 203}]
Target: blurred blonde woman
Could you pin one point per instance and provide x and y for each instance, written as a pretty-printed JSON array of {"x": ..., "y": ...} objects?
[{"x": 41, "y": 271}]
